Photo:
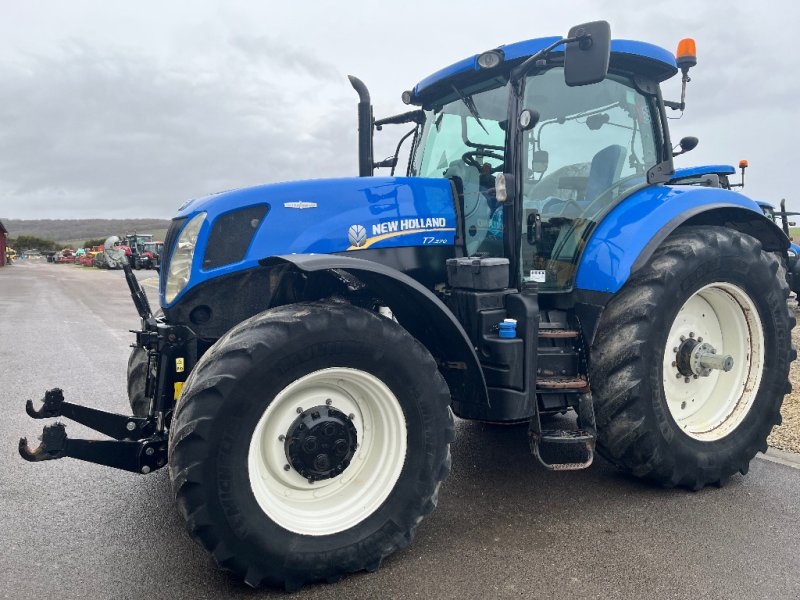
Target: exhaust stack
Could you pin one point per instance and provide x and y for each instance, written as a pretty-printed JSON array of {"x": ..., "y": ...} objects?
[{"x": 365, "y": 123}]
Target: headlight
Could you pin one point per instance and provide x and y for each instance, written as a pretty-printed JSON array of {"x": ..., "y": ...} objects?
[{"x": 180, "y": 263}]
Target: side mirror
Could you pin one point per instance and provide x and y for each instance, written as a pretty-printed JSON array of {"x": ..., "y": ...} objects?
[
  {"x": 539, "y": 161},
  {"x": 686, "y": 144},
  {"x": 586, "y": 58}
]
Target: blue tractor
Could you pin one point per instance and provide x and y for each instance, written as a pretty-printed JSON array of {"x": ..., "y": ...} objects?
[
  {"x": 792, "y": 268},
  {"x": 315, "y": 338},
  {"x": 719, "y": 176}
]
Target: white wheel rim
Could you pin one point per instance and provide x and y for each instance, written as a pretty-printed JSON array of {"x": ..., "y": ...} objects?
[
  {"x": 710, "y": 408},
  {"x": 339, "y": 503}
]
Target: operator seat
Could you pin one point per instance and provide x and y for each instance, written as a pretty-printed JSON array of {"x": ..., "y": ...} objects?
[{"x": 604, "y": 171}]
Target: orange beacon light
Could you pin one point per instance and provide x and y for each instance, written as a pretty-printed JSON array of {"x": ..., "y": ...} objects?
[{"x": 686, "y": 56}]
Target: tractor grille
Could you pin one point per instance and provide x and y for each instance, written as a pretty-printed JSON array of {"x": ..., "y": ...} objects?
[{"x": 169, "y": 242}]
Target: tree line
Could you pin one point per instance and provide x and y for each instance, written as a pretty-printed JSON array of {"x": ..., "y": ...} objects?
[{"x": 31, "y": 242}]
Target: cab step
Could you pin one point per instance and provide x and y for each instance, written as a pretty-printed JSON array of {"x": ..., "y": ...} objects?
[
  {"x": 558, "y": 333},
  {"x": 572, "y": 442},
  {"x": 562, "y": 383}
]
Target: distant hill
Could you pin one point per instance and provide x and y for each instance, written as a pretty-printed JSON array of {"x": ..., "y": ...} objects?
[{"x": 78, "y": 230}]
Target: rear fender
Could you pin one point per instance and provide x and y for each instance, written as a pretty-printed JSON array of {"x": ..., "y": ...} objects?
[
  {"x": 629, "y": 235},
  {"x": 418, "y": 310}
]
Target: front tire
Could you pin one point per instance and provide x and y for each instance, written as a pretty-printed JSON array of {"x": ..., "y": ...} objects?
[
  {"x": 137, "y": 381},
  {"x": 656, "y": 417},
  {"x": 249, "y": 409}
]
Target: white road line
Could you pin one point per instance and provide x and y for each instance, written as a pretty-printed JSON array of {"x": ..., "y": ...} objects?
[{"x": 789, "y": 459}]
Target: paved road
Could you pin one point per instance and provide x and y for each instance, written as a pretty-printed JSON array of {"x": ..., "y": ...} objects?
[{"x": 504, "y": 527}]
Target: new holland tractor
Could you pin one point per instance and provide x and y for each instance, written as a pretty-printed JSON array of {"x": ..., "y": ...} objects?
[{"x": 315, "y": 338}]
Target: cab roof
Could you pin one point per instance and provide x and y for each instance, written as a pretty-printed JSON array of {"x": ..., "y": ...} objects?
[
  {"x": 642, "y": 57},
  {"x": 685, "y": 172}
]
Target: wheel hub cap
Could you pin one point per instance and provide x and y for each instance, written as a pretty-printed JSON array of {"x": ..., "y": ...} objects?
[
  {"x": 697, "y": 358},
  {"x": 321, "y": 443}
]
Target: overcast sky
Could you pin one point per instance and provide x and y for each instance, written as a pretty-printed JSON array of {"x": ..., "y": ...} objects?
[{"x": 126, "y": 109}]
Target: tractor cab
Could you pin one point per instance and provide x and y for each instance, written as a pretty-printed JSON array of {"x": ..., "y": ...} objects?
[{"x": 563, "y": 154}]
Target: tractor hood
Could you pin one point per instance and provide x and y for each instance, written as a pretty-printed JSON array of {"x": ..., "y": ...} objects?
[{"x": 318, "y": 216}]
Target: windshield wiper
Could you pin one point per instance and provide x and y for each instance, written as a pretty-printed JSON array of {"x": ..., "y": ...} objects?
[{"x": 473, "y": 110}]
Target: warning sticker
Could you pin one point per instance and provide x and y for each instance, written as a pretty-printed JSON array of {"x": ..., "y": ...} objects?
[{"x": 538, "y": 276}]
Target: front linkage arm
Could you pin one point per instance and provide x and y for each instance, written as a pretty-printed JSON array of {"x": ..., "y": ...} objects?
[
  {"x": 139, "y": 444},
  {"x": 136, "y": 446}
]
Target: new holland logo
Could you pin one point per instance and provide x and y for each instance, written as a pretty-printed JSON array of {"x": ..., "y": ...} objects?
[
  {"x": 300, "y": 205},
  {"x": 357, "y": 235}
]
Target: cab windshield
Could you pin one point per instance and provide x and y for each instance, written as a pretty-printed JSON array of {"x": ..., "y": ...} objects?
[
  {"x": 591, "y": 145},
  {"x": 464, "y": 140}
]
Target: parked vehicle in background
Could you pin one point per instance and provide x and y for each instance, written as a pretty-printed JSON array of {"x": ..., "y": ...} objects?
[
  {"x": 66, "y": 256},
  {"x": 135, "y": 243},
  {"x": 79, "y": 255},
  {"x": 115, "y": 255},
  {"x": 719, "y": 176},
  {"x": 792, "y": 264},
  {"x": 150, "y": 257},
  {"x": 99, "y": 260}
]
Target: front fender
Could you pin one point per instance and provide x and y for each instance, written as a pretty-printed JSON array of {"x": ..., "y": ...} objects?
[
  {"x": 418, "y": 310},
  {"x": 629, "y": 234}
]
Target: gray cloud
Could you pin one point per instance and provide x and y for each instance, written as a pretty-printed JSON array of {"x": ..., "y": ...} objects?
[
  {"x": 93, "y": 131},
  {"x": 282, "y": 56},
  {"x": 143, "y": 113}
]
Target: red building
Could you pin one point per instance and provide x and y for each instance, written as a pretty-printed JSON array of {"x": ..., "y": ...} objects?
[{"x": 3, "y": 234}]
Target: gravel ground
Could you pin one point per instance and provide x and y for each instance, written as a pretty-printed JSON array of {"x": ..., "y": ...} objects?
[{"x": 787, "y": 435}]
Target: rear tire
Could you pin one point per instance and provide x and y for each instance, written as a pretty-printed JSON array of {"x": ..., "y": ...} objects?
[
  {"x": 691, "y": 431},
  {"x": 232, "y": 434}
]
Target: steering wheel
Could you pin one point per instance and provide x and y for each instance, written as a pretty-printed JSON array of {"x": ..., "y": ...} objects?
[
  {"x": 470, "y": 158},
  {"x": 570, "y": 209}
]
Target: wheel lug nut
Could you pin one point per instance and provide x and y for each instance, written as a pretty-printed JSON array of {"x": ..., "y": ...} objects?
[
  {"x": 281, "y": 438},
  {"x": 286, "y": 467},
  {"x": 351, "y": 416},
  {"x": 675, "y": 349},
  {"x": 691, "y": 334},
  {"x": 299, "y": 410},
  {"x": 674, "y": 363},
  {"x": 677, "y": 375},
  {"x": 686, "y": 380},
  {"x": 699, "y": 339},
  {"x": 328, "y": 401},
  {"x": 695, "y": 376},
  {"x": 683, "y": 338}
]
